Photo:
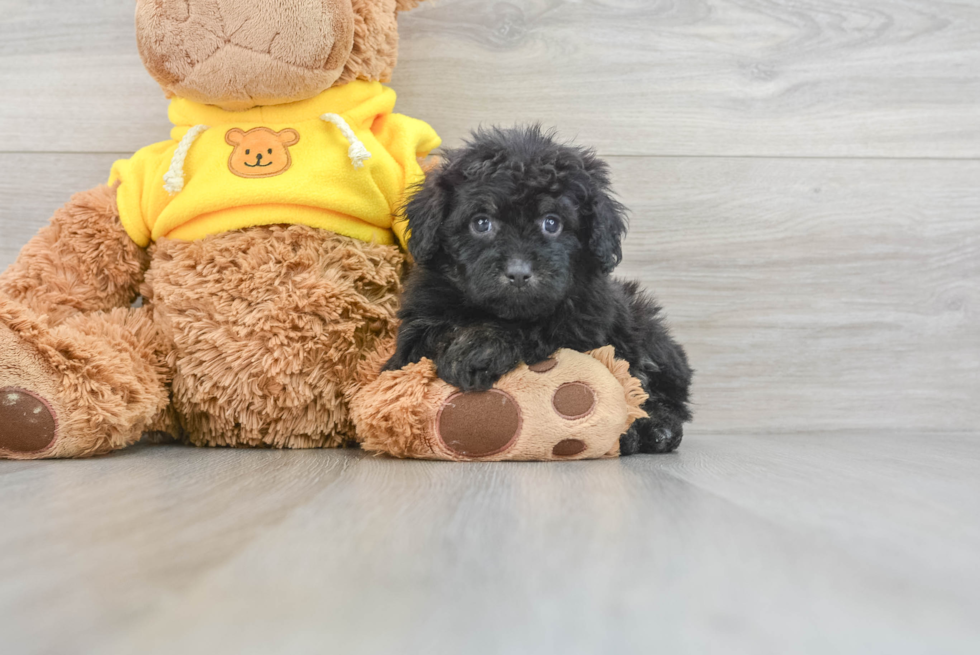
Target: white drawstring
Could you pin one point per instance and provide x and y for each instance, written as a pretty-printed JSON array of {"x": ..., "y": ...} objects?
[
  {"x": 174, "y": 178},
  {"x": 357, "y": 152}
]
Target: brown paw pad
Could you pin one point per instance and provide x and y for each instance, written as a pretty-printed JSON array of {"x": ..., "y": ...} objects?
[
  {"x": 574, "y": 400},
  {"x": 543, "y": 367},
  {"x": 27, "y": 423},
  {"x": 479, "y": 424},
  {"x": 569, "y": 448}
]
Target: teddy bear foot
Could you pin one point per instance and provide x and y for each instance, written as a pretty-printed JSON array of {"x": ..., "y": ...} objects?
[
  {"x": 28, "y": 424},
  {"x": 572, "y": 406},
  {"x": 28, "y": 418},
  {"x": 85, "y": 387}
]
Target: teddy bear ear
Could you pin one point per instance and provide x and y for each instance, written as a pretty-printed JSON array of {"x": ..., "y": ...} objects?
[
  {"x": 288, "y": 137},
  {"x": 375, "y": 49},
  {"x": 234, "y": 136}
]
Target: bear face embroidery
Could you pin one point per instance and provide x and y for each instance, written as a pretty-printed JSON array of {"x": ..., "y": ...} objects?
[{"x": 260, "y": 152}]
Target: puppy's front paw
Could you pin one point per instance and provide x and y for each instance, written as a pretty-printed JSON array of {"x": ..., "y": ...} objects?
[
  {"x": 475, "y": 363},
  {"x": 647, "y": 436},
  {"x": 476, "y": 371}
]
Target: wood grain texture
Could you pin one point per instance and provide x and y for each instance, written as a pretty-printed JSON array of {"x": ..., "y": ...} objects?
[
  {"x": 844, "y": 544},
  {"x": 811, "y": 294},
  {"x": 804, "y": 184},
  {"x": 687, "y": 77},
  {"x": 816, "y": 294},
  {"x": 35, "y": 185}
]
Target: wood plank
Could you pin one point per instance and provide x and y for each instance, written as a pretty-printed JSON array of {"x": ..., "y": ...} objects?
[
  {"x": 35, "y": 185},
  {"x": 816, "y": 294},
  {"x": 883, "y": 78},
  {"x": 97, "y": 543},
  {"x": 849, "y": 543},
  {"x": 811, "y": 294}
]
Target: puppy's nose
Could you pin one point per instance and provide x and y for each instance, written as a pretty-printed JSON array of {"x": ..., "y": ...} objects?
[
  {"x": 259, "y": 156},
  {"x": 519, "y": 272}
]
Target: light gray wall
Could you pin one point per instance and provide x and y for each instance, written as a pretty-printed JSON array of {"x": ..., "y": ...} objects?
[{"x": 804, "y": 177}]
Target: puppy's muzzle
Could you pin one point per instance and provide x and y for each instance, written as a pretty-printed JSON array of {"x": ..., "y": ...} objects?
[{"x": 519, "y": 272}]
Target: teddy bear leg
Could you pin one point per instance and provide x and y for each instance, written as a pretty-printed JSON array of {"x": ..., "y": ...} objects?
[
  {"x": 72, "y": 379},
  {"x": 85, "y": 387}
]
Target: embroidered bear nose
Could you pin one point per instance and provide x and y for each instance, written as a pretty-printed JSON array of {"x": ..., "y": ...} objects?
[{"x": 519, "y": 272}]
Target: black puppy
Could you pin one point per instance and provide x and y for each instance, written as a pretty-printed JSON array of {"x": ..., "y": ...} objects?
[{"x": 514, "y": 239}]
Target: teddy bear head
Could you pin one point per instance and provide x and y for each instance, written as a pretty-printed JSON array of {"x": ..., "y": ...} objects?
[{"x": 239, "y": 54}]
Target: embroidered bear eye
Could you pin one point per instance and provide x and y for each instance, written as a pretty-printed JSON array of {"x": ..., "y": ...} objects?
[
  {"x": 270, "y": 151},
  {"x": 248, "y": 152}
]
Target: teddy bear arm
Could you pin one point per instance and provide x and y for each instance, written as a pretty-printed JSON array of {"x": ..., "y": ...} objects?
[{"x": 84, "y": 261}]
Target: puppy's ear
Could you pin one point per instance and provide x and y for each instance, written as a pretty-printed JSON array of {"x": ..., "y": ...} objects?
[
  {"x": 608, "y": 220},
  {"x": 425, "y": 213}
]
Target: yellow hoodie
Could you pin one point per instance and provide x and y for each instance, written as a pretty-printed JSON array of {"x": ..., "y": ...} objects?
[{"x": 341, "y": 161}]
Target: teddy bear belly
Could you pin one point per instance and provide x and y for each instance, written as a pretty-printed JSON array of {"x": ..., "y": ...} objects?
[{"x": 269, "y": 325}]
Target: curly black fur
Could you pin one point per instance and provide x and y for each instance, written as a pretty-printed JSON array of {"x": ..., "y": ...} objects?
[{"x": 514, "y": 239}]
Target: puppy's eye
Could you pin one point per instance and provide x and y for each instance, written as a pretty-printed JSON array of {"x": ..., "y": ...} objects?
[
  {"x": 270, "y": 151},
  {"x": 551, "y": 225},
  {"x": 248, "y": 152},
  {"x": 481, "y": 225}
]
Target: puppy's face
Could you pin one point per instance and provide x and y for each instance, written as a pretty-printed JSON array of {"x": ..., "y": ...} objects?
[
  {"x": 512, "y": 249},
  {"x": 515, "y": 220}
]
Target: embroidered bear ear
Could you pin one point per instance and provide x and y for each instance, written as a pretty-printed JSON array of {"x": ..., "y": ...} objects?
[
  {"x": 235, "y": 136},
  {"x": 287, "y": 137}
]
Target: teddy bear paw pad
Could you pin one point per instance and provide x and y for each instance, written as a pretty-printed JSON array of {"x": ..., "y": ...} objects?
[
  {"x": 479, "y": 424},
  {"x": 27, "y": 422},
  {"x": 569, "y": 448},
  {"x": 544, "y": 366},
  {"x": 574, "y": 401}
]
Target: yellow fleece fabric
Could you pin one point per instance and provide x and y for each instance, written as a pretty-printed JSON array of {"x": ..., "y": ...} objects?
[{"x": 320, "y": 188}]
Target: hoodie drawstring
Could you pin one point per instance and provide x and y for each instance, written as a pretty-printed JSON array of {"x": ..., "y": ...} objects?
[
  {"x": 173, "y": 180},
  {"x": 357, "y": 152}
]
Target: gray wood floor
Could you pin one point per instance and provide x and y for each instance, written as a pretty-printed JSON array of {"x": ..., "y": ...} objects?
[
  {"x": 832, "y": 543},
  {"x": 805, "y": 184}
]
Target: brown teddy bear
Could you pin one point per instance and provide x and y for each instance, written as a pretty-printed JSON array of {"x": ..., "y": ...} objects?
[{"x": 260, "y": 237}]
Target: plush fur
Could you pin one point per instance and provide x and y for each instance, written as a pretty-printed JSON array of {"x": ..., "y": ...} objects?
[
  {"x": 83, "y": 261},
  {"x": 400, "y": 411},
  {"x": 67, "y": 333},
  {"x": 251, "y": 338},
  {"x": 514, "y": 239},
  {"x": 104, "y": 375},
  {"x": 271, "y": 331},
  {"x": 248, "y": 53},
  {"x": 375, "y": 50}
]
